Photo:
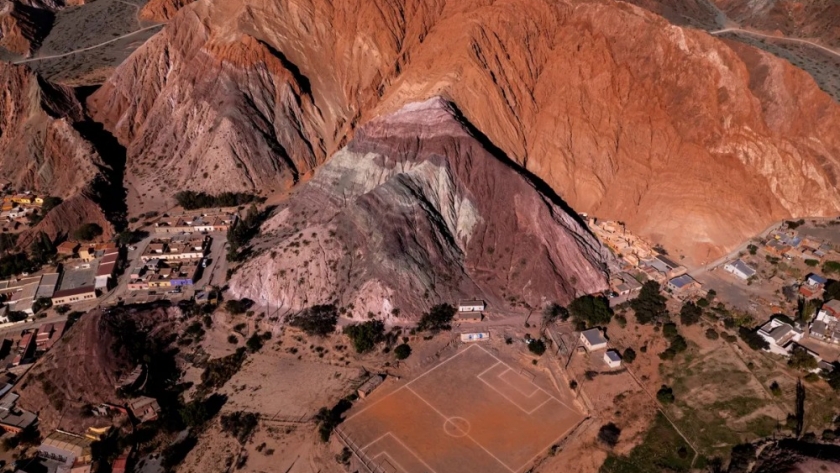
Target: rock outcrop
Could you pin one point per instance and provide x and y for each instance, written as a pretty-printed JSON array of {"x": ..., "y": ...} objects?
[
  {"x": 162, "y": 10},
  {"x": 43, "y": 151},
  {"x": 23, "y": 27},
  {"x": 817, "y": 20},
  {"x": 416, "y": 210},
  {"x": 678, "y": 134}
]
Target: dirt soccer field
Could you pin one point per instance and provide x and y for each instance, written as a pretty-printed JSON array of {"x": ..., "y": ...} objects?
[{"x": 471, "y": 413}]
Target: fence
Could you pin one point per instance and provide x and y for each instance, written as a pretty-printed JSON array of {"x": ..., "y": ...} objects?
[{"x": 369, "y": 464}]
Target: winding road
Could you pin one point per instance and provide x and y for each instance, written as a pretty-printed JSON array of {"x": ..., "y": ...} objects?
[
  {"x": 778, "y": 38},
  {"x": 81, "y": 50}
]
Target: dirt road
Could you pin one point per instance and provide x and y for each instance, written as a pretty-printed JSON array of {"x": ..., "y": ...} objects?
[
  {"x": 95, "y": 46},
  {"x": 778, "y": 38}
]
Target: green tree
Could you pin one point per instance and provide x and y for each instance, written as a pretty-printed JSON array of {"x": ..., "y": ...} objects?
[
  {"x": 670, "y": 331},
  {"x": 42, "y": 249},
  {"x": 629, "y": 355},
  {"x": 711, "y": 334},
  {"x": 754, "y": 340},
  {"x": 42, "y": 303},
  {"x": 317, "y": 320},
  {"x": 665, "y": 395},
  {"x": 437, "y": 318},
  {"x": 237, "y": 307},
  {"x": 591, "y": 309},
  {"x": 802, "y": 360},
  {"x": 690, "y": 313},
  {"x": 402, "y": 351},
  {"x": 831, "y": 267},
  {"x": 650, "y": 304},
  {"x": 87, "y": 232},
  {"x": 812, "y": 262},
  {"x": 365, "y": 336},
  {"x": 537, "y": 347}
]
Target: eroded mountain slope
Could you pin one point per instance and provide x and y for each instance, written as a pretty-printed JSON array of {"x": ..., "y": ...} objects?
[
  {"x": 625, "y": 115},
  {"x": 415, "y": 211}
]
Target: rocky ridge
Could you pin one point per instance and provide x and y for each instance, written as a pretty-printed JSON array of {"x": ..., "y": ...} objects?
[
  {"x": 418, "y": 209},
  {"x": 623, "y": 114}
]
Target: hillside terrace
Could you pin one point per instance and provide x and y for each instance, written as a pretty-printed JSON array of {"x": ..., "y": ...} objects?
[{"x": 219, "y": 220}]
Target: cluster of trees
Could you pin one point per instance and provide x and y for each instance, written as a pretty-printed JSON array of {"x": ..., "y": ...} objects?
[
  {"x": 191, "y": 200},
  {"x": 591, "y": 310},
  {"x": 317, "y": 320},
  {"x": 240, "y": 425},
  {"x": 240, "y": 234},
  {"x": 665, "y": 395},
  {"x": 366, "y": 335},
  {"x": 751, "y": 338},
  {"x": 690, "y": 313},
  {"x": 87, "y": 232},
  {"x": 537, "y": 347},
  {"x": 237, "y": 307},
  {"x": 649, "y": 306},
  {"x": 678, "y": 343},
  {"x": 437, "y": 318},
  {"x": 802, "y": 360},
  {"x": 608, "y": 434}
]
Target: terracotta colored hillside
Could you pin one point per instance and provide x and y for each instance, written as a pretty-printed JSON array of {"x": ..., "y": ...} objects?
[{"x": 623, "y": 114}]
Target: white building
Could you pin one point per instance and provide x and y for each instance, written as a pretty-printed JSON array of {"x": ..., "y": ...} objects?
[
  {"x": 780, "y": 335},
  {"x": 471, "y": 306},
  {"x": 739, "y": 269},
  {"x": 612, "y": 359},
  {"x": 593, "y": 339}
]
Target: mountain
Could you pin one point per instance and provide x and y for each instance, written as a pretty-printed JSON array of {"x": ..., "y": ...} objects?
[
  {"x": 417, "y": 209},
  {"x": 693, "y": 142},
  {"x": 44, "y": 150},
  {"x": 814, "y": 19}
]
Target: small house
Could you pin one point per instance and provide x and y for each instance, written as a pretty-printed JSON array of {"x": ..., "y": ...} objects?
[
  {"x": 682, "y": 284},
  {"x": 612, "y": 359},
  {"x": 67, "y": 248},
  {"x": 368, "y": 386},
  {"x": 471, "y": 306},
  {"x": 593, "y": 339},
  {"x": 739, "y": 269},
  {"x": 780, "y": 335}
]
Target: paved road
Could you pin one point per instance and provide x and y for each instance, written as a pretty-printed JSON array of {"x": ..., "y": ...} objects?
[
  {"x": 95, "y": 46},
  {"x": 778, "y": 38}
]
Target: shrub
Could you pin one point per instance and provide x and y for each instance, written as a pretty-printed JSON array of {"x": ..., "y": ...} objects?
[
  {"x": 87, "y": 232},
  {"x": 254, "y": 343},
  {"x": 650, "y": 304},
  {"x": 232, "y": 339},
  {"x": 237, "y": 307},
  {"x": 62, "y": 309},
  {"x": 629, "y": 355},
  {"x": 239, "y": 424},
  {"x": 608, "y": 434},
  {"x": 775, "y": 388},
  {"x": 670, "y": 331},
  {"x": 592, "y": 310},
  {"x": 402, "y": 351},
  {"x": 753, "y": 339},
  {"x": 366, "y": 335},
  {"x": 665, "y": 395},
  {"x": 831, "y": 267},
  {"x": 811, "y": 377},
  {"x": 316, "y": 320},
  {"x": 711, "y": 334},
  {"x": 437, "y": 318},
  {"x": 812, "y": 262},
  {"x": 537, "y": 347},
  {"x": 42, "y": 303}
]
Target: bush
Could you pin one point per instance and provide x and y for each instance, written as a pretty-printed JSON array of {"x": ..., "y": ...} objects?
[
  {"x": 812, "y": 262},
  {"x": 437, "y": 318},
  {"x": 831, "y": 267},
  {"x": 703, "y": 302},
  {"x": 665, "y": 395},
  {"x": 232, "y": 339},
  {"x": 366, "y": 335},
  {"x": 240, "y": 425},
  {"x": 317, "y": 320},
  {"x": 775, "y": 388},
  {"x": 753, "y": 339},
  {"x": 42, "y": 303},
  {"x": 690, "y": 313},
  {"x": 608, "y": 434},
  {"x": 592, "y": 310},
  {"x": 16, "y": 315},
  {"x": 629, "y": 355},
  {"x": 237, "y": 307},
  {"x": 537, "y": 347},
  {"x": 711, "y": 334},
  {"x": 650, "y": 304},
  {"x": 254, "y": 343},
  {"x": 62, "y": 309},
  {"x": 87, "y": 232},
  {"x": 670, "y": 331},
  {"x": 402, "y": 351},
  {"x": 811, "y": 377}
]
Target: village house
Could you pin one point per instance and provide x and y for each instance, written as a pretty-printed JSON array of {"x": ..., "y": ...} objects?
[
  {"x": 683, "y": 284},
  {"x": 72, "y": 450},
  {"x": 471, "y": 306},
  {"x": 612, "y": 359},
  {"x": 665, "y": 265},
  {"x": 144, "y": 409},
  {"x": 739, "y": 269},
  {"x": 780, "y": 335},
  {"x": 12, "y": 418},
  {"x": 593, "y": 339},
  {"x": 107, "y": 268},
  {"x": 67, "y": 248},
  {"x": 72, "y": 296}
]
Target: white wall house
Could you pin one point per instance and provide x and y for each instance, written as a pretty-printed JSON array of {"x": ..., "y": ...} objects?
[
  {"x": 593, "y": 339},
  {"x": 471, "y": 306},
  {"x": 739, "y": 269},
  {"x": 612, "y": 359},
  {"x": 780, "y": 335}
]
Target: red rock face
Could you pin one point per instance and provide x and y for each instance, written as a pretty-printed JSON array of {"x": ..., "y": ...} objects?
[
  {"x": 162, "y": 10},
  {"x": 695, "y": 143},
  {"x": 415, "y": 211},
  {"x": 43, "y": 151}
]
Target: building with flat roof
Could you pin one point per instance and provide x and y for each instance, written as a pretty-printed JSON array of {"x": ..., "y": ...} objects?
[
  {"x": 70, "y": 449},
  {"x": 593, "y": 339},
  {"x": 682, "y": 284},
  {"x": 739, "y": 269},
  {"x": 13, "y": 419},
  {"x": 471, "y": 306},
  {"x": 72, "y": 296},
  {"x": 612, "y": 359}
]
